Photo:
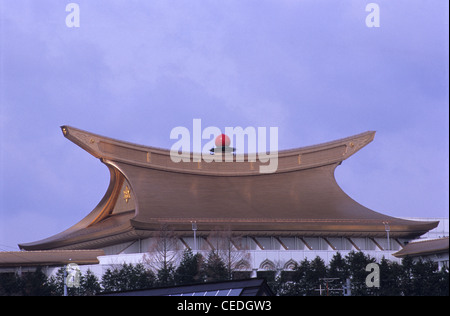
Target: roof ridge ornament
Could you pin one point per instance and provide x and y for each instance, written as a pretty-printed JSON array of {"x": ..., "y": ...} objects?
[{"x": 222, "y": 143}]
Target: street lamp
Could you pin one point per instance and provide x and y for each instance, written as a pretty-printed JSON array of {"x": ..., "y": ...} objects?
[
  {"x": 194, "y": 228},
  {"x": 65, "y": 278},
  {"x": 387, "y": 228}
]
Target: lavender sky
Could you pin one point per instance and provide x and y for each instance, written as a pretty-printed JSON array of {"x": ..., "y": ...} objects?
[{"x": 134, "y": 70}]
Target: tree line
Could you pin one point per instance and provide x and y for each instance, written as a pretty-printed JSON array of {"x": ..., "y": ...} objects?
[
  {"x": 349, "y": 275},
  {"x": 193, "y": 268},
  {"x": 308, "y": 277}
]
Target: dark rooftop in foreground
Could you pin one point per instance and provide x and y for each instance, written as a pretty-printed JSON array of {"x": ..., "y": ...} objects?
[{"x": 246, "y": 287}]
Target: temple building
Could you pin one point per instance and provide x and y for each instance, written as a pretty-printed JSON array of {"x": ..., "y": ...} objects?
[{"x": 299, "y": 211}]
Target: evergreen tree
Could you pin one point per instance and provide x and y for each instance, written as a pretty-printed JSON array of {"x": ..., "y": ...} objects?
[
  {"x": 57, "y": 283},
  {"x": 165, "y": 275},
  {"x": 10, "y": 284},
  {"x": 357, "y": 262},
  {"x": 406, "y": 277},
  {"x": 390, "y": 278},
  {"x": 35, "y": 284},
  {"x": 189, "y": 269},
  {"x": 425, "y": 278},
  {"x": 214, "y": 268},
  {"x": 89, "y": 284},
  {"x": 300, "y": 286},
  {"x": 127, "y": 277},
  {"x": 281, "y": 286},
  {"x": 317, "y": 272},
  {"x": 442, "y": 284},
  {"x": 338, "y": 268}
]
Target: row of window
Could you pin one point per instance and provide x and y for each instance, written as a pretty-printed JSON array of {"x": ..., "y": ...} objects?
[{"x": 262, "y": 243}]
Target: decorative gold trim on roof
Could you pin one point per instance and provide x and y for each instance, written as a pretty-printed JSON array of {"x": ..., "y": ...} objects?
[{"x": 126, "y": 194}]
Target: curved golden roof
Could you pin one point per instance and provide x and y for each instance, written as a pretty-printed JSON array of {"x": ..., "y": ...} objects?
[{"x": 148, "y": 190}]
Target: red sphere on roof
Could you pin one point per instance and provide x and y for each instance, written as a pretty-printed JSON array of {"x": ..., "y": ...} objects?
[{"x": 222, "y": 140}]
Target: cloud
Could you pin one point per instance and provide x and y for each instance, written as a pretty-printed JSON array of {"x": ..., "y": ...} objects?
[{"x": 134, "y": 70}]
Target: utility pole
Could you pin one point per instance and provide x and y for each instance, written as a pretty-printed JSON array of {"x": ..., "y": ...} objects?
[{"x": 327, "y": 280}]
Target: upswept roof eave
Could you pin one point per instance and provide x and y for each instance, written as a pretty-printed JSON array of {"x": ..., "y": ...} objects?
[
  {"x": 109, "y": 149},
  {"x": 68, "y": 130},
  {"x": 109, "y": 231}
]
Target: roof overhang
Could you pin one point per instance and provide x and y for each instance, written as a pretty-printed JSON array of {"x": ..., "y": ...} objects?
[
  {"x": 424, "y": 248},
  {"x": 49, "y": 257}
]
